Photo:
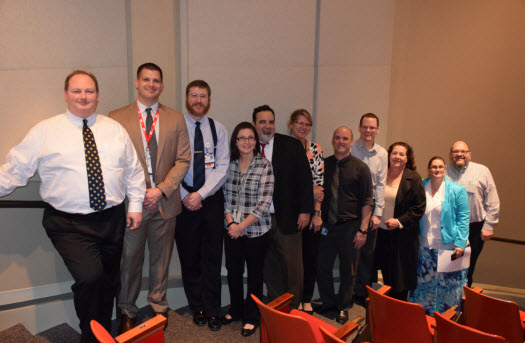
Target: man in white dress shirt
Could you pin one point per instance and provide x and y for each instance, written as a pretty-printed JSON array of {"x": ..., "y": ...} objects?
[
  {"x": 76, "y": 153},
  {"x": 483, "y": 198}
]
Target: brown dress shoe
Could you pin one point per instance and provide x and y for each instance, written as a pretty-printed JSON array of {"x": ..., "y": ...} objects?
[
  {"x": 165, "y": 315},
  {"x": 126, "y": 324}
]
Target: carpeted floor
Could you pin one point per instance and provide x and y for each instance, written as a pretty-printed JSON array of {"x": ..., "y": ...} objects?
[{"x": 181, "y": 328}]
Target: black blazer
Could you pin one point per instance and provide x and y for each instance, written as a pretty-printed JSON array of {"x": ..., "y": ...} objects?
[
  {"x": 293, "y": 190},
  {"x": 399, "y": 248}
]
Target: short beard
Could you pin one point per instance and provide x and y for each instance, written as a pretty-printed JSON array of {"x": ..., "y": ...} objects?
[
  {"x": 461, "y": 164},
  {"x": 190, "y": 109},
  {"x": 265, "y": 138}
]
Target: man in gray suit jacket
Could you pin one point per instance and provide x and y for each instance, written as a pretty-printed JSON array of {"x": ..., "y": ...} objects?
[{"x": 160, "y": 137}]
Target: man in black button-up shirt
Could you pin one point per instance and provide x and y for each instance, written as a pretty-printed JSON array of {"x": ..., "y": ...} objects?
[{"x": 346, "y": 211}]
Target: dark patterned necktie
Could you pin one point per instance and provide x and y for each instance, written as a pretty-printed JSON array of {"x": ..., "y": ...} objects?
[
  {"x": 199, "y": 175},
  {"x": 97, "y": 194},
  {"x": 152, "y": 143},
  {"x": 332, "y": 208}
]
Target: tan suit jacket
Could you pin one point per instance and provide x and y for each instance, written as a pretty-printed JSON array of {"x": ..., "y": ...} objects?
[{"x": 173, "y": 152}]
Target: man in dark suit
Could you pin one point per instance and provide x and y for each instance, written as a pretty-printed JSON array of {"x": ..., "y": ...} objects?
[
  {"x": 291, "y": 207},
  {"x": 160, "y": 137}
]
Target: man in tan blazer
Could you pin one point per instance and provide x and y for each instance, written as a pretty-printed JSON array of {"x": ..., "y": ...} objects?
[{"x": 160, "y": 137}]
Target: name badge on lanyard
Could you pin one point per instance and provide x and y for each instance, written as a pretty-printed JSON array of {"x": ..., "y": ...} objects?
[
  {"x": 148, "y": 136},
  {"x": 209, "y": 158}
]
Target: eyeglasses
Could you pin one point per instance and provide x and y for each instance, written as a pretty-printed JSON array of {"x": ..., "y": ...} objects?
[
  {"x": 371, "y": 128},
  {"x": 250, "y": 139},
  {"x": 302, "y": 123},
  {"x": 456, "y": 152},
  {"x": 195, "y": 95}
]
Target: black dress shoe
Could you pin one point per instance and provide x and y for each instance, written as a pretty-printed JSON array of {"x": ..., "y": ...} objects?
[
  {"x": 342, "y": 317},
  {"x": 214, "y": 323},
  {"x": 165, "y": 315},
  {"x": 199, "y": 318},
  {"x": 248, "y": 332},
  {"x": 126, "y": 323}
]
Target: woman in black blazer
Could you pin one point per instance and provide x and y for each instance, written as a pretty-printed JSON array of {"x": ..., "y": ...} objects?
[{"x": 398, "y": 238}]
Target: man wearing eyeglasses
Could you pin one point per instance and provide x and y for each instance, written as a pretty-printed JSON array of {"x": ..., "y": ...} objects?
[
  {"x": 482, "y": 198},
  {"x": 200, "y": 226},
  {"x": 160, "y": 137},
  {"x": 376, "y": 158}
]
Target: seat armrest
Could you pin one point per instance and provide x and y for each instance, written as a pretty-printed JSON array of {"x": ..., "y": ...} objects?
[
  {"x": 279, "y": 303},
  {"x": 348, "y": 328},
  {"x": 478, "y": 289},
  {"x": 147, "y": 328},
  {"x": 451, "y": 312},
  {"x": 384, "y": 289}
]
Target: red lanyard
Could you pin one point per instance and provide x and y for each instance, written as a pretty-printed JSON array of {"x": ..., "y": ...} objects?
[{"x": 152, "y": 130}]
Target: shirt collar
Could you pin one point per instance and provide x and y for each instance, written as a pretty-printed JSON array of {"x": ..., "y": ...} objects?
[
  {"x": 142, "y": 107},
  {"x": 360, "y": 145},
  {"x": 80, "y": 121},
  {"x": 192, "y": 120},
  {"x": 343, "y": 160}
]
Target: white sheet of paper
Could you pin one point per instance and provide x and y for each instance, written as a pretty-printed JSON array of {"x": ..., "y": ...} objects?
[{"x": 445, "y": 265}]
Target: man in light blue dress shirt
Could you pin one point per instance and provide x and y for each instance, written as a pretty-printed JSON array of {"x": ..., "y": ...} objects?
[
  {"x": 200, "y": 226},
  {"x": 376, "y": 158}
]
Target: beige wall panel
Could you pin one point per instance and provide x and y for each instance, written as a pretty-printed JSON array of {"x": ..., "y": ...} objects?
[
  {"x": 236, "y": 91},
  {"x": 29, "y": 259},
  {"x": 355, "y": 51},
  {"x": 458, "y": 73},
  {"x": 357, "y": 32},
  {"x": 347, "y": 92},
  {"x": 253, "y": 53},
  {"x": 153, "y": 40},
  {"x": 251, "y": 33},
  {"x": 58, "y": 33},
  {"x": 501, "y": 264}
]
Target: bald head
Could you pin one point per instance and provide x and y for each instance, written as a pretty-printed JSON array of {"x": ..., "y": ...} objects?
[
  {"x": 342, "y": 141},
  {"x": 460, "y": 155}
]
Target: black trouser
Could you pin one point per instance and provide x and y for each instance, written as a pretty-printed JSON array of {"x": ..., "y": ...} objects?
[
  {"x": 199, "y": 244},
  {"x": 310, "y": 253},
  {"x": 476, "y": 245},
  {"x": 366, "y": 270},
  {"x": 283, "y": 265},
  {"x": 338, "y": 242},
  {"x": 91, "y": 247},
  {"x": 251, "y": 251}
]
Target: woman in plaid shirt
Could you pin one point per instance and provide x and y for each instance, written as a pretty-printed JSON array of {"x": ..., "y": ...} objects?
[{"x": 247, "y": 194}]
